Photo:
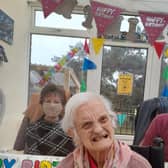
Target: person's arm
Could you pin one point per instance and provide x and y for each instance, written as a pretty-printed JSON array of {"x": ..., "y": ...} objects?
[
  {"x": 150, "y": 134},
  {"x": 20, "y": 138}
]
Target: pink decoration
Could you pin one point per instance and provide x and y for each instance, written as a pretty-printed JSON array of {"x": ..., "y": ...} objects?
[
  {"x": 154, "y": 24},
  {"x": 104, "y": 15},
  {"x": 49, "y": 6}
]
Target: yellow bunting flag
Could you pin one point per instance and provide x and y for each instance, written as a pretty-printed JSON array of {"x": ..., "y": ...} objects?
[
  {"x": 166, "y": 52},
  {"x": 97, "y": 44}
]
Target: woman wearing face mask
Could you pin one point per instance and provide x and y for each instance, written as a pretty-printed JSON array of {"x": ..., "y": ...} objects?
[{"x": 40, "y": 132}]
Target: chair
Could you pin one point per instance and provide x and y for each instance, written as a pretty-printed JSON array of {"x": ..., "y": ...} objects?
[
  {"x": 145, "y": 114},
  {"x": 154, "y": 154}
]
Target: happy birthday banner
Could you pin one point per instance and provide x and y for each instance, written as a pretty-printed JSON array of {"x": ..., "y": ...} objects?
[
  {"x": 104, "y": 15},
  {"x": 154, "y": 24}
]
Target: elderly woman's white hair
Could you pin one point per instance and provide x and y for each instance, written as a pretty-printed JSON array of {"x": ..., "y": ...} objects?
[{"x": 77, "y": 100}]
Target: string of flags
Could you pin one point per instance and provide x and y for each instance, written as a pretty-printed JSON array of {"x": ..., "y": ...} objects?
[
  {"x": 88, "y": 64},
  {"x": 105, "y": 15}
]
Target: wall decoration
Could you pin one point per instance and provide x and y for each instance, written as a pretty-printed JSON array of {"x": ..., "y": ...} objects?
[
  {"x": 6, "y": 27},
  {"x": 154, "y": 24}
]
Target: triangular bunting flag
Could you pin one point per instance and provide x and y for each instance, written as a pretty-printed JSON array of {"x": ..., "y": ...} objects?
[
  {"x": 49, "y": 6},
  {"x": 121, "y": 118},
  {"x": 165, "y": 91},
  {"x": 83, "y": 86},
  {"x": 165, "y": 73},
  {"x": 166, "y": 52},
  {"x": 88, "y": 64},
  {"x": 159, "y": 46},
  {"x": 86, "y": 47},
  {"x": 154, "y": 24},
  {"x": 97, "y": 44},
  {"x": 104, "y": 15}
]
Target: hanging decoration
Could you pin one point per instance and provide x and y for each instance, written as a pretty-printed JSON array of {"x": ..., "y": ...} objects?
[
  {"x": 83, "y": 86},
  {"x": 166, "y": 52},
  {"x": 88, "y": 17},
  {"x": 121, "y": 117},
  {"x": 61, "y": 63},
  {"x": 49, "y": 6},
  {"x": 159, "y": 46},
  {"x": 97, "y": 44},
  {"x": 165, "y": 91},
  {"x": 66, "y": 7},
  {"x": 165, "y": 73},
  {"x": 88, "y": 64},
  {"x": 104, "y": 15},
  {"x": 86, "y": 47},
  {"x": 154, "y": 24}
]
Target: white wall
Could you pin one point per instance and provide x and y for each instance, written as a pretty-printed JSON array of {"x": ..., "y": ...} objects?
[{"x": 14, "y": 73}]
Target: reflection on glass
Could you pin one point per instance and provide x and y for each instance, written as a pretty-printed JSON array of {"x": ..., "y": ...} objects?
[
  {"x": 47, "y": 52},
  {"x": 129, "y": 60}
]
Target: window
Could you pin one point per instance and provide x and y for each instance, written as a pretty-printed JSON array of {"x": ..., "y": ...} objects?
[
  {"x": 124, "y": 60},
  {"x": 53, "y": 39}
]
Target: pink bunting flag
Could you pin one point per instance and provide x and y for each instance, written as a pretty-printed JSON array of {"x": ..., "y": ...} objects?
[
  {"x": 159, "y": 46},
  {"x": 104, "y": 15},
  {"x": 49, "y": 6},
  {"x": 154, "y": 24},
  {"x": 86, "y": 47}
]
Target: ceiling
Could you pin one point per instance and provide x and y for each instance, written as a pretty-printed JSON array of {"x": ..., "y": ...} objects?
[{"x": 135, "y": 5}]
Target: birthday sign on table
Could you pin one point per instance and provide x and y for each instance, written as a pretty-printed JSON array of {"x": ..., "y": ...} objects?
[{"x": 28, "y": 161}]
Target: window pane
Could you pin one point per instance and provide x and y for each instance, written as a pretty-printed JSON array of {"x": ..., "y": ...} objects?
[
  {"x": 58, "y": 21},
  {"x": 126, "y": 60},
  {"x": 46, "y": 52}
]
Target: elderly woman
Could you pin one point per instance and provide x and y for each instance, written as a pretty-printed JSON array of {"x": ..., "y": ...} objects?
[{"x": 90, "y": 122}]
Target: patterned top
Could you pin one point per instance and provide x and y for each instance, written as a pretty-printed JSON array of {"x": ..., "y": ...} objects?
[{"x": 46, "y": 138}]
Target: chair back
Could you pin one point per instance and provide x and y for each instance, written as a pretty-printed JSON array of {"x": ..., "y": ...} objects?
[{"x": 154, "y": 154}]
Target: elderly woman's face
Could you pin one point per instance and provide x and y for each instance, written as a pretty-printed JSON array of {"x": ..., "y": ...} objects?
[{"x": 93, "y": 126}]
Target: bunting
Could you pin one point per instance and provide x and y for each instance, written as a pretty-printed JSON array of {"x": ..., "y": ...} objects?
[
  {"x": 49, "y": 6},
  {"x": 154, "y": 24},
  {"x": 88, "y": 64},
  {"x": 104, "y": 15},
  {"x": 159, "y": 46},
  {"x": 97, "y": 44}
]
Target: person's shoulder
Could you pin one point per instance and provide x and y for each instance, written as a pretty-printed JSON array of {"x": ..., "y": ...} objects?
[
  {"x": 138, "y": 161},
  {"x": 163, "y": 116},
  {"x": 67, "y": 162}
]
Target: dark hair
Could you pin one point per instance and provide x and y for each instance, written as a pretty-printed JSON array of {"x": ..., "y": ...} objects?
[{"x": 52, "y": 88}]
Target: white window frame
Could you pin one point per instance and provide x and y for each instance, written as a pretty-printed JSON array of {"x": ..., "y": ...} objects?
[{"x": 153, "y": 66}]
